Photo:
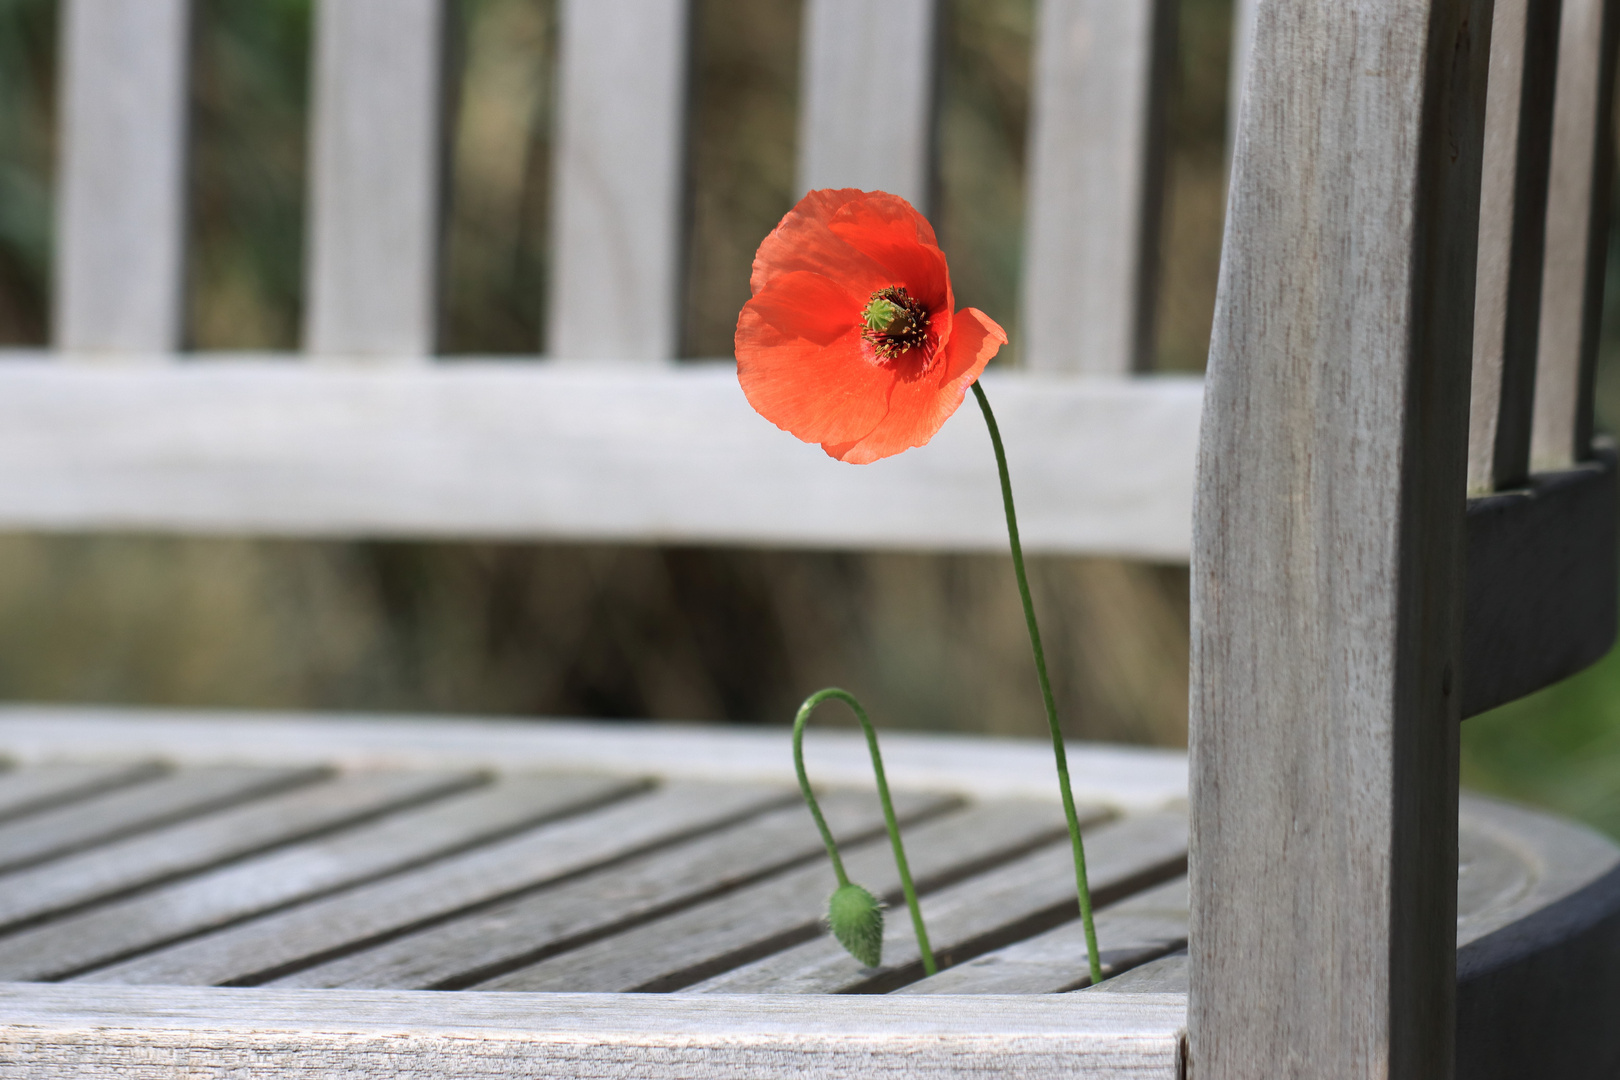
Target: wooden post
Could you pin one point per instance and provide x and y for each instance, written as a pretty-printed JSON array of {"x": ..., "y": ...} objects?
[{"x": 1327, "y": 555}]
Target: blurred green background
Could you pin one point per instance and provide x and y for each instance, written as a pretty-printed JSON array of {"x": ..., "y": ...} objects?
[{"x": 618, "y": 631}]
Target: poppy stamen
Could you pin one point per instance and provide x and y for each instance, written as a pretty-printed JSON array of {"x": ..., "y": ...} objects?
[{"x": 894, "y": 322}]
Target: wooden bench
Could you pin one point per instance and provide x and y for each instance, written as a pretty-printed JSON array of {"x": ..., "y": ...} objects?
[{"x": 197, "y": 894}]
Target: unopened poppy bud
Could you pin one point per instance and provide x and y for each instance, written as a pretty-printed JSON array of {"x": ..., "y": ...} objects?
[{"x": 856, "y": 919}]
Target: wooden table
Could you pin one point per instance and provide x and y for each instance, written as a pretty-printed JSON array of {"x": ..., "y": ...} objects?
[{"x": 605, "y": 899}]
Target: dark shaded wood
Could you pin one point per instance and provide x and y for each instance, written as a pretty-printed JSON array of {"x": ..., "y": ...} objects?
[
  {"x": 1541, "y": 583},
  {"x": 1512, "y": 240}
]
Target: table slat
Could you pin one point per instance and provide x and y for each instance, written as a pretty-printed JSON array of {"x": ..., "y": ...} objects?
[
  {"x": 126, "y": 811},
  {"x": 188, "y": 847},
  {"x": 1132, "y": 932},
  {"x": 712, "y": 937},
  {"x": 319, "y": 930},
  {"x": 31, "y": 788},
  {"x": 531, "y": 927},
  {"x": 122, "y": 927},
  {"x": 1006, "y": 904}
]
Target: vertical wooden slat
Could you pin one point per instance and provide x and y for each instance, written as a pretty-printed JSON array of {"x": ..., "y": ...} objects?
[
  {"x": 1096, "y": 184},
  {"x": 617, "y": 217},
  {"x": 1327, "y": 562},
  {"x": 121, "y": 236},
  {"x": 1577, "y": 234},
  {"x": 1512, "y": 234},
  {"x": 1243, "y": 12},
  {"x": 376, "y": 178},
  {"x": 867, "y": 104}
]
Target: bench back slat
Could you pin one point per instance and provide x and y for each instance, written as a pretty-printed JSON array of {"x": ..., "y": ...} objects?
[
  {"x": 120, "y": 253},
  {"x": 617, "y": 232},
  {"x": 1577, "y": 234},
  {"x": 866, "y": 110},
  {"x": 376, "y": 179},
  {"x": 1512, "y": 234},
  {"x": 1095, "y": 184},
  {"x": 1328, "y": 549}
]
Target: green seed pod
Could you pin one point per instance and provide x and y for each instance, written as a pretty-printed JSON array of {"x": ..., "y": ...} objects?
[{"x": 856, "y": 918}]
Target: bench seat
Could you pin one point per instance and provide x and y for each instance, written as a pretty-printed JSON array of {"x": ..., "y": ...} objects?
[{"x": 247, "y": 895}]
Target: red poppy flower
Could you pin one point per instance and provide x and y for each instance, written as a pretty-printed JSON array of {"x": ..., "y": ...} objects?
[{"x": 850, "y": 339}]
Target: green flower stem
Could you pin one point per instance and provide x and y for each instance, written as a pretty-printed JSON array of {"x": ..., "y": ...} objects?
[
  {"x": 1080, "y": 882},
  {"x": 847, "y": 698}
]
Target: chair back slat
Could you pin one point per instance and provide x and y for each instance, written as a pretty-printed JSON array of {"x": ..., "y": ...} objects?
[
  {"x": 120, "y": 252},
  {"x": 1577, "y": 234},
  {"x": 1327, "y": 581},
  {"x": 376, "y": 178},
  {"x": 867, "y": 99},
  {"x": 1095, "y": 184},
  {"x": 1512, "y": 235},
  {"x": 616, "y": 220}
]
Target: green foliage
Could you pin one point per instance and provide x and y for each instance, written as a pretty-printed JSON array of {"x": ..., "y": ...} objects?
[{"x": 856, "y": 919}]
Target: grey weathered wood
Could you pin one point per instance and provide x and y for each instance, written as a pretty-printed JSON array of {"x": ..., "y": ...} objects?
[
  {"x": 130, "y": 810},
  {"x": 618, "y": 207},
  {"x": 866, "y": 112},
  {"x": 1327, "y": 565},
  {"x": 95, "y": 1033},
  {"x": 1134, "y": 931},
  {"x": 376, "y": 178},
  {"x": 1577, "y": 234},
  {"x": 1512, "y": 240},
  {"x": 523, "y": 930},
  {"x": 193, "y": 845},
  {"x": 1168, "y": 974},
  {"x": 1541, "y": 583},
  {"x": 1096, "y": 172},
  {"x": 120, "y": 213},
  {"x": 121, "y": 927},
  {"x": 317, "y": 930},
  {"x": 1007, "y": 903},
  {"x": 573, "y": 452},
  {"x": 1120, "y": 777},
  {"x": 692, "y": 945},
  {"x": 38, "y": 787},
  {"x": 1243, "y": 12}
]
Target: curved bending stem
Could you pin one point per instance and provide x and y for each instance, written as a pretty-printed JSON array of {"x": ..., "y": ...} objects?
[
  {"x": 1081, "y": 885},
  {"x": 847, "y": 698}
]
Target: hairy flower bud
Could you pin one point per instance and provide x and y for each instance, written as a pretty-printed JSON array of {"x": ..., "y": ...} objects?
[{"x": 856, "y": 918}]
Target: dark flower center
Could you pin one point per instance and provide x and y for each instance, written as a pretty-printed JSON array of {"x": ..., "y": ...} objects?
[{"x": 894, "y": 322}]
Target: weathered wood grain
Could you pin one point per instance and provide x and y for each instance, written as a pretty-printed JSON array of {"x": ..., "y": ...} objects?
[
  {"x": 685, "y": 948},
  {"x": 119, "y": 287},
  {"x": 92, "y": 1033},
  {"x": 1512, "y": 240},
  {"x": 866, "y": 118},
  {"x": 575, "y": 451},
  {"x": 521, "y": 931},
  {"x": 1120, "y": 777},
  {"x": 1328, "y": 553},
  {"x": 1131, "y": 932},
  {"x": 1007, "y": 903},
  {"x": 1541, "y": 583},
  {"x": 1577, "y": 234},
  {"x": 189, "y": 846},
  {"x": 621, "y": 156},
  {"x": 38, "y": 787},
  {"x": 320, "y": 929},
  {"x": 1096, "y": 178},
  {"x": 376, "y": 177},
  {"x": 122, "y": 812},
  {"x": 122, "y": 927}
]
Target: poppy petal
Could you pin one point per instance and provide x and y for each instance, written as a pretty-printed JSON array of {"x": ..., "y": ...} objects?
[
  {"x": 802, "y": 363},
  {"x": 889, "y": 231},
  {"x": 802, "y": 241},
  {"x": 919, "y": 408}
]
